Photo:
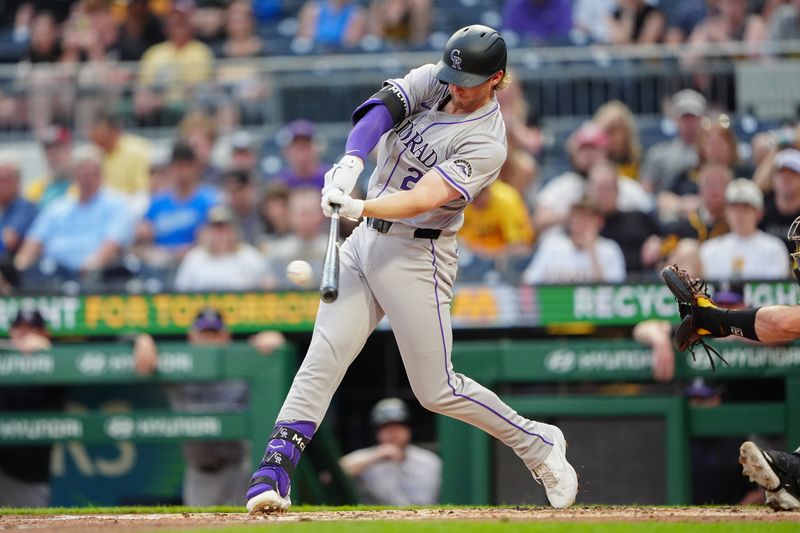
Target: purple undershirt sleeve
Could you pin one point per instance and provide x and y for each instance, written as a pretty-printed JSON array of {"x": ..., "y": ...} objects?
[{"x": 367, "y": 131}]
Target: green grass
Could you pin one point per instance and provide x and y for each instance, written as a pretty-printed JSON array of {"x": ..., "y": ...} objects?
[
  {"x": 166, "y": 509},
  {"x": 497, "y": 527}
]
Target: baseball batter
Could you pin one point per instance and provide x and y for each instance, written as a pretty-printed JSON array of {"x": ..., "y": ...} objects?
[{"x": 440, "y": 140}]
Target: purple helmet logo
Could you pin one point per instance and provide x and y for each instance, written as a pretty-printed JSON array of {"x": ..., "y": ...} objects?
[{"x": 455, "y": 59}]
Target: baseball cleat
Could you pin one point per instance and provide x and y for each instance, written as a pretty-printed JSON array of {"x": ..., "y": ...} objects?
[
  {"x": 697, "y": 310},
  {"x": 264, "y": 494},
  {"x": 557, "y": 475},
  {"x": 268, "y": 502},
  {"x": 776, "y": 472}
]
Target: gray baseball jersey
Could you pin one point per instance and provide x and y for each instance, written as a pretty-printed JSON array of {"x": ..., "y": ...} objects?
[
  {"x": 466, "y": 150},
  {"x": 409, "y": 280}
]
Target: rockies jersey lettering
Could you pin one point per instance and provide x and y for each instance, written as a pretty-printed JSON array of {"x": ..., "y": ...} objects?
[{"x": 466, "y": 150}]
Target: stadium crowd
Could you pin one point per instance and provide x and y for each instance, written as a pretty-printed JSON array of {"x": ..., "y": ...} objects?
[{"x": 120, "y": 210}]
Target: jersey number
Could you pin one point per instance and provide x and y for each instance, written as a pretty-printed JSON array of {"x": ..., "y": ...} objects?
[{"x": 411, "y": 180}]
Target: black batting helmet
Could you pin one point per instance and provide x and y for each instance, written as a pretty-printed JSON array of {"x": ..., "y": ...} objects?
[{"x": 472, "y": 55}]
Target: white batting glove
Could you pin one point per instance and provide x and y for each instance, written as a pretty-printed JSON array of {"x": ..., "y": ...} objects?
[
  {"x": 349, "y": 207},
  {"x": 344, "y": 174}
]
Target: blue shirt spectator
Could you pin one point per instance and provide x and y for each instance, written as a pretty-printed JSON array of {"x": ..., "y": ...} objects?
[
  {"x": 539, "y": 21},
  {"x": 71, "y": 230},
  {"x": 80, "y": 234},
  {"x": 16, "y": 214},
  {"x": 171, "y": 224},
  {"x": 176, "y": 219}
]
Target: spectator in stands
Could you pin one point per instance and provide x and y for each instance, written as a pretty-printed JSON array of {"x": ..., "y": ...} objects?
[
  {"x": 307, "y": 240},
  {"x": 706, "y": 221},
  {"x": 245, "y": 87},
  {"x": 586, "y": 146},
  {"x": 43, "y": 106},
  {"x": 126, "y": 159},
  {"x": 782, "y": 205},
  {"x": 200, "y": 132},
  {"x": 581, "y": 255},
  {"x": 171, "y": 224},
  {"x": 715, "y": 144},
  {"x": 624, "y": 148},
  {"x": 746, "y": 252},
  {"x": 16, "y": 213},
  {"x": 729, "y": 21},
  {"x": 243, "y": 154},
  {"x": 274, "y": 211},
  {"x": 629, "y": 229},
  {"x": 684, "y": 16},
  {"x": 516, "y": 116},
  {"x": 241, "y": 40},
  {"x": 45, "y": 45},
  {"x": 25, "y": 470},
  {"x": 208, "y": 21},
  {"x": 79, "y": 235},
  {"x": 168, "y": 70},
  {"x": 221, "y": 261},
  {"x": 216, "y": 472},
  {"x": 302, "y": 155},
  {"x": 785, "y": 23},
  {"x": 521, "y": 172},
  {"x": 636, "y": 22},
  {"x": 497, "y": 223},
  {"x": 330, "y": 25},
  {"x": 590, "y": 20},
  {"x": 667, "y": 160},
  {"x": 401, "y": 23},
  {"x": 57, "y": 145},
  {"x": 539, "y": 21},
  {"x": 241, "y": 197},
  {"x": 140, "y": 30},
  {"x": 394, "y": 472}
]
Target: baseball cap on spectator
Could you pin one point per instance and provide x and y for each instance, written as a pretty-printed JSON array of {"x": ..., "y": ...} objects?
[
  {"x": 789, "y": 159},
  {"x": 239, "y": 177},
  {"x": 701, "y": 390},
  {"x": 389, "y": 411},
  {"x": 220, "y": 214},
  {"x": 744, "y": 191},
  {"x": 183, "y": 151},
  {"x": 730, "y": 294},
  {"x": 590, "y": 134},
  {"x": 587, "y": 203},
  {"x": 184, "y": 6},
  {"x": 55, "y": 135},
  {"x": 208, "y": 319},
  {"x": 688, "y": 102},
  {"x": 159, "y": 157},
  {"x": 241, "y": 140},
  {"x": 31, "y": 318},
  {"x": 296, "y": 129},
  {"x": 87, "y": 153}
]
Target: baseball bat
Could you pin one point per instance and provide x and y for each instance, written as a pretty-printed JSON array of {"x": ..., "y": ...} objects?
[{"x": 329, "y": 288}]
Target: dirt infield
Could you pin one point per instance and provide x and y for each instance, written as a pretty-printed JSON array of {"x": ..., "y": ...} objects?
[{"x": 134, "y": 522}]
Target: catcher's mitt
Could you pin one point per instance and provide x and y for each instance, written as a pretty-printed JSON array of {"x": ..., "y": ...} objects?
[{"x": 691, "y": 295}]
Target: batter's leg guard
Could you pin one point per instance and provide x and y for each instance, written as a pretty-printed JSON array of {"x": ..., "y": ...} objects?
[{"x": 270, "y": 486}]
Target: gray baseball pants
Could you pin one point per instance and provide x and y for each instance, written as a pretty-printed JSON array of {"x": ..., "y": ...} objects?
[{"x": 410, "y": 280}]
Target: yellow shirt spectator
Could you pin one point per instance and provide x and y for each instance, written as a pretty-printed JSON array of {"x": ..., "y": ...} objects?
[
  {"x": 496, "y": 219},
  {"x": 127, "y": 166},
  {"x": 172, "y": 67}
]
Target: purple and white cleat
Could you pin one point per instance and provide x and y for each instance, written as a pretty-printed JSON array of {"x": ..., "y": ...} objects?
[{"x": 270, "y": 487}]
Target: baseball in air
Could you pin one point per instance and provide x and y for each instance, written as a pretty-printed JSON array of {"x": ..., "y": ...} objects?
[{"x": 299, "y": 273}]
